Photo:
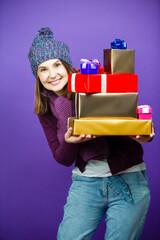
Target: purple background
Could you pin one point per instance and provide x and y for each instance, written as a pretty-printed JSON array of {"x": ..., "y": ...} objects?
[{"x": 33, "y": 187}]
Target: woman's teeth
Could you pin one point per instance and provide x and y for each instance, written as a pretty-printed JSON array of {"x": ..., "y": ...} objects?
[{"x": 55, "y": 82}]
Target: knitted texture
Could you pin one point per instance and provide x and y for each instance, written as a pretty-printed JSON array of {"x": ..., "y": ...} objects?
[{"x": 44, "y": 47}]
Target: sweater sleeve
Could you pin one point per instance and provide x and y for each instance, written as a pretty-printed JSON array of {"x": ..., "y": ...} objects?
[{"x": 63, "y": 152}]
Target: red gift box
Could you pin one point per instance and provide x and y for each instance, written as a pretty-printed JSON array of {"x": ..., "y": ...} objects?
[{"x": 106, "y": 83}]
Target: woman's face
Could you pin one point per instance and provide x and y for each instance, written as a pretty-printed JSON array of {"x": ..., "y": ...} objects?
[{"x": 53, "y": 75}]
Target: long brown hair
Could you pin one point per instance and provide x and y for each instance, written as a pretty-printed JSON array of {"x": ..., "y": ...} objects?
[{"x": 41, "y": 100}]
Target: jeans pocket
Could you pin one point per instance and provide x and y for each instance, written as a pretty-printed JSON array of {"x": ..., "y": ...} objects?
[{"x": 120, "y": 187}]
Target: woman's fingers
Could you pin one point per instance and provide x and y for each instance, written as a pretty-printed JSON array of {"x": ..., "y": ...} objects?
[
  {"x": 84, "y": 137},
  {"x": 88, "y": 136},
  {"x": 68, "y": 134},
  {"x": 77, "y": 139},
  {"x": 141, "y": 139},
  {"x": 81, "y": 137},
  {"x": 69, "y": 138},
  {"x": 153, "y": 132}
]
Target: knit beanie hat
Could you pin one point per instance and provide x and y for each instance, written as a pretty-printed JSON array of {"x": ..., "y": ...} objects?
[{"x": 44, "y": 47}]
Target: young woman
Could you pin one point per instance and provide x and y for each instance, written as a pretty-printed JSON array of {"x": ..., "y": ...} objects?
[{"x": 109, "y": 175}]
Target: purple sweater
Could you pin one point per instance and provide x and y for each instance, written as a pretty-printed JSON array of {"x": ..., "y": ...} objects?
[{"x": 122, "y": 152}]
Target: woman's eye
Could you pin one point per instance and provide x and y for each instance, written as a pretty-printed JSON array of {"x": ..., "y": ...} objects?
[
  {"x": 43, "y": 69},
  {"x": 57, "y": 64}
]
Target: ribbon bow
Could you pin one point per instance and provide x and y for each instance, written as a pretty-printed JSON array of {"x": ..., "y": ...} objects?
[
  {"x": 94, "y": 64},
  {"x": 118, "y": 44},
  {"x": 145, "y": 108}
]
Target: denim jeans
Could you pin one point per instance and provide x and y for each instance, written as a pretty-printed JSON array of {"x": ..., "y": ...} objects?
[{"x": 124, "y": 198}]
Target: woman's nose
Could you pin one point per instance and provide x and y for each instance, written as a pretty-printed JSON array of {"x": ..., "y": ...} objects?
[{"x": 52, "y": 73}]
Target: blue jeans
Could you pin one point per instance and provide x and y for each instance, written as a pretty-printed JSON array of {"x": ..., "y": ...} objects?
[{"x": 124, "y": 198}]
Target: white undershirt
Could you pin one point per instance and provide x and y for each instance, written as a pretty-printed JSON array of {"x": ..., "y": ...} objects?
[{"x": 100, "y": 168}]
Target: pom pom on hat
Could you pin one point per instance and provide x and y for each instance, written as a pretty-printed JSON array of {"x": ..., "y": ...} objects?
[
  {"x": 44, "y": 48},
  {"x": 45, "y": 31}
]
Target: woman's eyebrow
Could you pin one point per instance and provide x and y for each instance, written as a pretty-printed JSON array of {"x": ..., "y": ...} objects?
[
  {"x": 42, "y": 67},
  {"x": 53, "y": 64},
  {"x": 57, "y": 61}
]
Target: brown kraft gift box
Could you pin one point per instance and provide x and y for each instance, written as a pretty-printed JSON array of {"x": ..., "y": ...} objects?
[
  {"x": 119, "y": 61},
  {"x": 106, "y": 105}
]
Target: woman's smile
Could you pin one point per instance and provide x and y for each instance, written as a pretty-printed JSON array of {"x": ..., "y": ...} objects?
[{"x": 55, "y": 82}]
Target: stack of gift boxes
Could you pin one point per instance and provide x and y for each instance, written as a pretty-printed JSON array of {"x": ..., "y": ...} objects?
[{"x": 106, "y": 102}]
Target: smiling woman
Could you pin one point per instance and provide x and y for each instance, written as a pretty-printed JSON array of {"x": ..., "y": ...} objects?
[
  {"x": 41, "y": 99},
  {"x": 95, "y": 189},
  {"x": 53, "y": 75}
]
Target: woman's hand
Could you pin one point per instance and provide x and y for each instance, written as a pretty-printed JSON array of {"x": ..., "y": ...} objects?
[
  {"x": 144, "y": 138},
  {"x": 69, "y": 138}
]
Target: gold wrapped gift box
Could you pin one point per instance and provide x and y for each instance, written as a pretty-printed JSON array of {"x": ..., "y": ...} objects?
[
  {"x": 119, "y": 61},
  {"x": 106, "y": 105},
  {"x": 110, "y": 126}
]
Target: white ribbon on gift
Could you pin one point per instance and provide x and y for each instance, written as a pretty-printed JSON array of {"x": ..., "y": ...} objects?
[
  {"x": 145, "y": 108},
  {"x": 92, "y": 63},
  {"x": 103, "y": 82},
  {"x": 73, "y": 82}
]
